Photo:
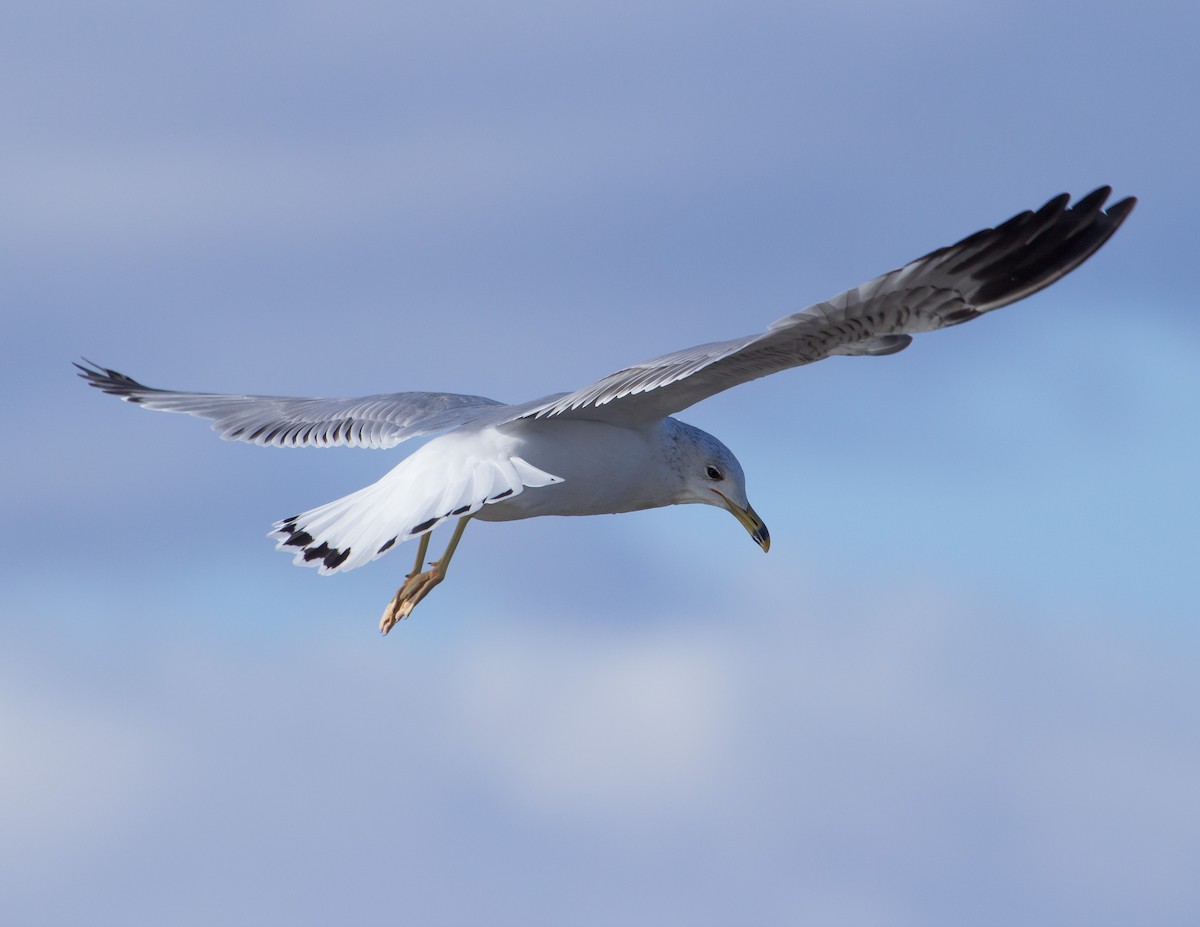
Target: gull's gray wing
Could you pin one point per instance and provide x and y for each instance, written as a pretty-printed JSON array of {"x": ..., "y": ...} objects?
[
  {"x": 370, "y": 421},
  {"x": 990, "y": 269}
]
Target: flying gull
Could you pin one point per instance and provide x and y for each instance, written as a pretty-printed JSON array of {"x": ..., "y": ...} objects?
[{"x": 613, "y": 446}]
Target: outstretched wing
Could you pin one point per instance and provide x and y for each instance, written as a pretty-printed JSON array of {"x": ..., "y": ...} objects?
[
  {"x": 990, "y": 269},
  {"x": 279, "y": 421}
]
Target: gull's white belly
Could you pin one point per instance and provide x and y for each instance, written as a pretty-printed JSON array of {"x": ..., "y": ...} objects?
[{"x": 604, "y": 469}]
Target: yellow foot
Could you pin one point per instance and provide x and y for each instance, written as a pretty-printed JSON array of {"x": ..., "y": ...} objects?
[{"x": 416, "y": 587}]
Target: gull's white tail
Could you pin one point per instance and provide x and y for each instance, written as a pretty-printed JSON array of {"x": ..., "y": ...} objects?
[{"x": 412, "y": 499}]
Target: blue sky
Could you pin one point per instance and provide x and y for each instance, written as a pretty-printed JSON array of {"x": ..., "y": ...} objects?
[{"x": 961, "y": 687}]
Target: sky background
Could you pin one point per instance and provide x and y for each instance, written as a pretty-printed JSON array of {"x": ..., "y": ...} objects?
[{"x": 962, "y": 686}]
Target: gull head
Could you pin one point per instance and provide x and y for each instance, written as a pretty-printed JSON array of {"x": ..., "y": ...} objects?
[{"x": 711, "y": 475}]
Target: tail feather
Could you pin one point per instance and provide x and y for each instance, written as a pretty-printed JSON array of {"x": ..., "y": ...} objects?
[{"x": 411, "y": 500}]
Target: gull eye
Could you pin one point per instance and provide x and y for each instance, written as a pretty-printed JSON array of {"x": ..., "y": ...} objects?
[{"x": 715, "y": 474}]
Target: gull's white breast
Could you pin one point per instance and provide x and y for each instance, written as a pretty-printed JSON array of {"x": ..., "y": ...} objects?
[{"x": 604, "y": 468}]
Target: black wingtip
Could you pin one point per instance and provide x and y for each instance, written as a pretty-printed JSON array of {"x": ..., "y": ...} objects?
[
  {"x": 88, "y": 372},
  {"x": 111, "y": 381},
  {"x": 1120, "y": 210},
  {"x": 1056, "y": 203},
  {"x": 1065, "y": 238},
  {"x": 1091, "y": 204}
]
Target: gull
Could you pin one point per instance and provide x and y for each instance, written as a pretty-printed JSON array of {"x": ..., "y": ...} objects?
[{"x": 614, "y": 445}]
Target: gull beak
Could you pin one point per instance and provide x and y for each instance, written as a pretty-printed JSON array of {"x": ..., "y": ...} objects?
[{"x": 750, "y": 521}]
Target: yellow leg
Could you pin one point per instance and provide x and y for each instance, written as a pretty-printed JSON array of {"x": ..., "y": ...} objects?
[
  {"x": 419, "y": 584},
  {"x": 422, "y": 549}
]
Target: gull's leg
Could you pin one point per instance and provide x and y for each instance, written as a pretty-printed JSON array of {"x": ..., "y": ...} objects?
[
  {"x": 422, "y": 549},
  {"x": 417, "y": 585}
]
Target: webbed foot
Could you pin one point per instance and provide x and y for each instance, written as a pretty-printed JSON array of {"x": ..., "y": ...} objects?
[{"x": 416, "y": 587}]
